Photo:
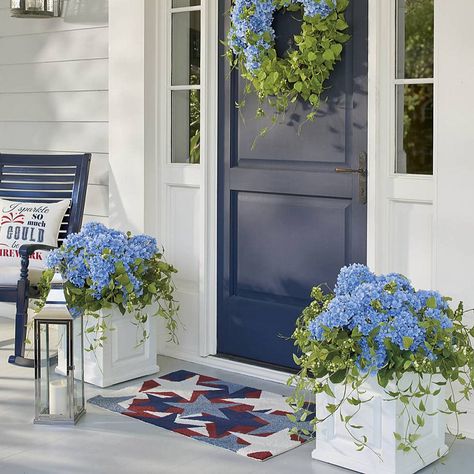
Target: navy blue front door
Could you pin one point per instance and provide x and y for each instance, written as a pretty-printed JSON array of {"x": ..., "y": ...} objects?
[{"x": 287, "y": 220}]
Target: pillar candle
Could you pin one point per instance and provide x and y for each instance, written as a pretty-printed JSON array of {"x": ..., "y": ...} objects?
[{"x": 58, "y": 397}]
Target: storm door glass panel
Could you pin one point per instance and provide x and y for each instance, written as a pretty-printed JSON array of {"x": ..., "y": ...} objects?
[
  {"x": 415, "y": 139},
  {"x": 186, "y": 3},
  {"x": 186, "y": 48},
  {"x": 415, "y": 41},
  {"x": 414, "y": 86},
  {"x": 185, "y": 82},
  {"x": 185, "y": 107}
]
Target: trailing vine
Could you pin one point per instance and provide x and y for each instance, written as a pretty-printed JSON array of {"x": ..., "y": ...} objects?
[
  {"x": 104, "y": 269},
  {"x": 378, "y": 329}
]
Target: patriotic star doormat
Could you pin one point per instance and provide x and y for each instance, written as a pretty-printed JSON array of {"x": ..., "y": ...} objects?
[{"x": 246, "y": 420}]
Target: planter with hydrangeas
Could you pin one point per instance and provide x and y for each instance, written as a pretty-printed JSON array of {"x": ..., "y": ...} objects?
[
  {"x": 387, "y": 364},
  {"x": 118, "y": 282}
]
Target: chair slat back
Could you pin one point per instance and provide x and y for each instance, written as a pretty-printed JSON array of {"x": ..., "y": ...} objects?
[{"x": 46, "y": 179}]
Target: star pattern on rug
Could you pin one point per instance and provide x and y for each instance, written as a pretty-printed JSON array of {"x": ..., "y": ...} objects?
[
  {"x": 274, "y": 443},
  {"x": 245, "y": 420},
  {"x": 278, "y": 423},
  {"x": 267, "y": 401},
  {"x": 182, "y": 388},
  {"x": 229, "y": 387},
  {"x": 200, "y": 406},
  {"x": 198, "y": 426}
]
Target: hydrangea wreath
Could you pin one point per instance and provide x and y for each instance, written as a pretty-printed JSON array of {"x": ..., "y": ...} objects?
[
  {"x": 104, "y": 268},
  {"x": 380, "y": 326},
  {"x": 303, "y": 71}
]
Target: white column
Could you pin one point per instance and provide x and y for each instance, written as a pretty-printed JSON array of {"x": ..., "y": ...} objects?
[
  {"x": 127, "y": 114},
  {"x": 454, "y": 227},
  {"x": 455, "y": 149}
]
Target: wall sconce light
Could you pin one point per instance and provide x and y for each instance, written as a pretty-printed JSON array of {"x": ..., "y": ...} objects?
[{"x": 35, "y": 8}]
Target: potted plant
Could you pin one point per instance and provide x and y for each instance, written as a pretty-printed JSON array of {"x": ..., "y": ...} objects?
[
  {"x": 386, "y": 363},
  {"x": 117, "y": 281}
]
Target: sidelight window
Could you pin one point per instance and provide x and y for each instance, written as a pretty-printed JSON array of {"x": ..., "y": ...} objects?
[
  {"x": 414, "y": 86},
  {"x": 185, "y": 81}
]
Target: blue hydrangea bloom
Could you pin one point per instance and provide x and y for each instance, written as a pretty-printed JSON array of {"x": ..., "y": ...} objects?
[
  {"x": 255, "y": 17},
  {"x": 90, "y": 257},
  {"x": 386, "y": 306}
]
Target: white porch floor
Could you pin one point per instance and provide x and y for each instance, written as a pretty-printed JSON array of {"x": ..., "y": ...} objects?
[{"x": 104, "y": 442}]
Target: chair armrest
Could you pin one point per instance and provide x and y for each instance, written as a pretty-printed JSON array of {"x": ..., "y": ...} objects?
[{"x": 28, "y": 249}]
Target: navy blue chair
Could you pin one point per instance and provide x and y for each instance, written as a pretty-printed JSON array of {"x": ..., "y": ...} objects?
[{"x": 40, "y": 178}]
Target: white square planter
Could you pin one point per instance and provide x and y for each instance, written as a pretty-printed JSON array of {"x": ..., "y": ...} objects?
[
  {"x": 120, "y": 359},
  {"x": 380, "y": 418}
]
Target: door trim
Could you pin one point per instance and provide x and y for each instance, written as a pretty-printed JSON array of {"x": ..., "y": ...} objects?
[{"x": 208, "y": 277}]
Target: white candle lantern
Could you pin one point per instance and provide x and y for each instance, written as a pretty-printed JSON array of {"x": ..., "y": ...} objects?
[{"x": 59, "y": 397}]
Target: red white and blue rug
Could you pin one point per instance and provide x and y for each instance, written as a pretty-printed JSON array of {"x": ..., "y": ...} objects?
[{"x": 246, "y": 420}]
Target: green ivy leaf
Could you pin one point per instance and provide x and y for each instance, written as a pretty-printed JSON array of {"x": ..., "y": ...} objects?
[
  {"x": 328, "y": 55},
  {"x": 338, "y": 376}
]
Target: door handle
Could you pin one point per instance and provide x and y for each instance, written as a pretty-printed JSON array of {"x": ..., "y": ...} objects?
[
  {"x": 362, "y": 172},
  {"x": 350, "y": 170}
]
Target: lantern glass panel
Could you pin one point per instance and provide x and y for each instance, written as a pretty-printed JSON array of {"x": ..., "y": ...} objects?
[
  {"x": 59, "y": 368},
  {"x": 35, "y": 5},
  {"x": 17, "y": 6},
  {"x": 79, "y": 400},
  {"x": 44, "y": 379}
]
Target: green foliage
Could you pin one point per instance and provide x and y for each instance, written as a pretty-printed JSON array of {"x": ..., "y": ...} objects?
[
  {"x": 158, "y": 290},
  {"x": 304, "y": 70},
  {"x": 195, "y": 123},
  {"x": 418, "y": 36},
  {"x": 333, "y": 361}
]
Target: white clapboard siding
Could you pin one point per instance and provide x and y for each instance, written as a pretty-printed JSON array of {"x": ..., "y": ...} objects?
[
  {"x": 56, "y": 46},
  {"x": 86, "y": 106},
  {"x": 54, "y": 90},
  {"x": 77, "y": 14},
  {"x": 99, "y": 170},
  {"x": 67, "y": 136},
  {"x": 97, "y": 200},
  {"x": 102, "y": 220},
  {"x": 89, "y": 74}
]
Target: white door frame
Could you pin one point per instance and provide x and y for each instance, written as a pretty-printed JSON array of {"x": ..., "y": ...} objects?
[{"x": 386, "y": 189}]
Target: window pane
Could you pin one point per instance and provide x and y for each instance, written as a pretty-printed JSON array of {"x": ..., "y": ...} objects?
[
  {"x": 415, "y": 31},
  {"x": 186, "y": 3},
  {"x": 186, "y": 48},
  {"x": 415, "y": 129},
  {"x": 185, "y": 123}
]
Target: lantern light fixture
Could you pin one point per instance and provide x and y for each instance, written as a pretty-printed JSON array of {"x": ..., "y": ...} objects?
[
  {"x": 35, "y": 8},
  {"x": 59, "y": 375}
]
